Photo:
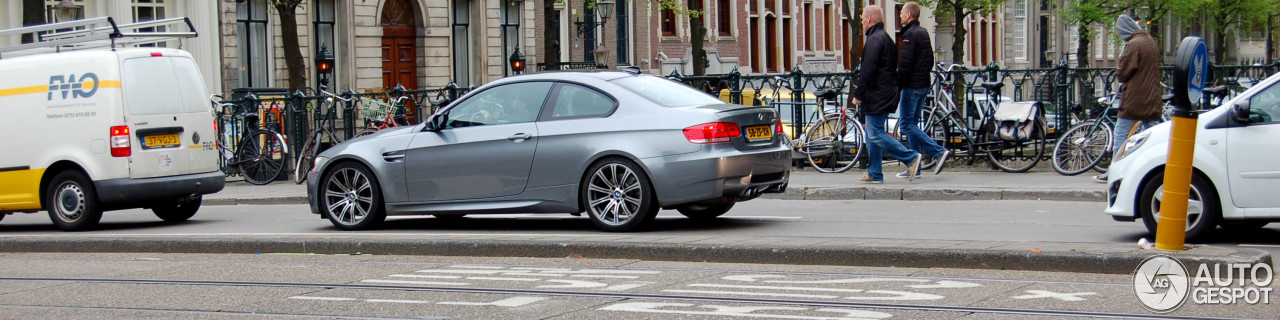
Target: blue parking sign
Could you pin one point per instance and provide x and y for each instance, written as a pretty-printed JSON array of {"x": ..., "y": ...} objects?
[{"x": 1191, "y": 73}]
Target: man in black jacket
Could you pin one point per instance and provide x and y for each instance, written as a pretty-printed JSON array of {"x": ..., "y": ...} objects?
[
  {"x": 914, "y": 63},
  {"x": 877, "y": 95}
]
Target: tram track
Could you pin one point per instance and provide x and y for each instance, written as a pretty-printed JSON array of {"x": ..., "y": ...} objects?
[{"x": 614, "y": 295}]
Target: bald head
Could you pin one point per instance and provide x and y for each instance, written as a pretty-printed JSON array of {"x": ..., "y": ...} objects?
[{"x": 871, "y": 15}]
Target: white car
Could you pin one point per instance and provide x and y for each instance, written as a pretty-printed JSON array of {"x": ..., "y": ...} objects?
[{"x": 1236, "y": 162}]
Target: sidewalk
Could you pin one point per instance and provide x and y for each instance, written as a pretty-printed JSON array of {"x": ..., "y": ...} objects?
[{"x": 811, "y": 185}]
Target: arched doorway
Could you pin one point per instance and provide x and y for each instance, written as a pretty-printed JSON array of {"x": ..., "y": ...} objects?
[{"x": 399, "y": 48}]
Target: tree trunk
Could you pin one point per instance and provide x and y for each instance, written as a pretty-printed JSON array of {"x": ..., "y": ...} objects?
[
  {"x": 697, "y": 34},
  {"x": 292, "y": 51},
  {"x": 1220, "y": 49},
  {"x": 32, "y": 14},
  {"x": 853, "y": 12},
  {"x": 1084, "y": 32},
  {"x": 957, "y": 46},
  {"x": 550, "y": 36}
]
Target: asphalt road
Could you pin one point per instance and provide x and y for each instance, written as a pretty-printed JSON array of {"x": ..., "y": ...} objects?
[
  {"x": 202, "y": 286},
  {"x": 1005, "y": 220}
]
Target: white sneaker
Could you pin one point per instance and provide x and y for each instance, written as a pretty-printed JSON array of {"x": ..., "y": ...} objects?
[
  {"x": 1102, "y": 178},
  {"x": 904, "y": 175}
]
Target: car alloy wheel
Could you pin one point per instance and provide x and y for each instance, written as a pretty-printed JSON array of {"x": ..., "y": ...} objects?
[
  {"x": 618, "y": 196},
  {"x": 351, "y": 199}
]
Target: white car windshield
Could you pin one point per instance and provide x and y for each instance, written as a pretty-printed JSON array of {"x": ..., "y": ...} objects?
[{"x": 666, "y": 92}]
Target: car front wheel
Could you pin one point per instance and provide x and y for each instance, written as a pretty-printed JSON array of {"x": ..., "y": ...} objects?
[
  {"x": 1203, "y": 209},
  {"x": 350, "y": 197},
  {"x": 705, "y": 212},
  {"x": 618, "y": 195}
]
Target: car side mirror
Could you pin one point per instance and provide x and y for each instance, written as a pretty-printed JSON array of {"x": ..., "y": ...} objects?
[
  {"x": 1240, "y": 111},
  {"x": 437, "y": 121}
]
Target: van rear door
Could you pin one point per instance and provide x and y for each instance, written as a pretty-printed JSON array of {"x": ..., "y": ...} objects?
[{"x": 162, "y": 127}]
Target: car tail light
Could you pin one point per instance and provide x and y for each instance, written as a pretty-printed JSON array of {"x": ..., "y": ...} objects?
[
  {"x": 715, "y": 132},
  {"x": 156, "y": 54},
  {"x": 120, "y": 141},
  {"x": 777, "y": 126}
]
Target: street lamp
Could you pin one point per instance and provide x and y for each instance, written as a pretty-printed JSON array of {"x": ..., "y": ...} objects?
[
  {"x": 517, "y": 61},
  {"x": 66, "y": 10},
  {"x": 602, "y": 56},
  {"x": 324, "y": 66}
]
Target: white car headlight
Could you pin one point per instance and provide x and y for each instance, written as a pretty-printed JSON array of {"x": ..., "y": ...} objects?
[{"x": 1132, "y": 144}]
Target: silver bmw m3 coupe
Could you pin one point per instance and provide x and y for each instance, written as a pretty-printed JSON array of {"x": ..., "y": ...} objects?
[{"x": 616, "y": 145}]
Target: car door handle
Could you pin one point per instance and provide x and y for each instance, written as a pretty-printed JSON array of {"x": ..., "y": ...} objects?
[
  {"x": 520, "y": 137},
  {"x": 393, "y": 156}
]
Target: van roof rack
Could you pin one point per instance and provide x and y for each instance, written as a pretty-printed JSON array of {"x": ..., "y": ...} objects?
[{"x": 97, "y": 33}]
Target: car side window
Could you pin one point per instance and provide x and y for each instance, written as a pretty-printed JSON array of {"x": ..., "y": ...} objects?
[
  {"x": 1266, "y": 104},
  {"x": 509, "y": 103},
  {"x": 576, "y": 101}
]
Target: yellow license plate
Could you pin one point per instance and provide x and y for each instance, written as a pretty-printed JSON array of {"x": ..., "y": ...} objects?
[
  {"x": 160, "y": 141},
  {"x": 759, "y": 133}
]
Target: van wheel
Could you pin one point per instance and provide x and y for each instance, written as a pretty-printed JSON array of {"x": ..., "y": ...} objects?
[
  {"x": 619, "y": 196},
  {"x": 705, "y": 212},
  {"x": 1203, "y": 209},
  {"x": 177, "y": 211},
  {"x": 72, "y": 202}
]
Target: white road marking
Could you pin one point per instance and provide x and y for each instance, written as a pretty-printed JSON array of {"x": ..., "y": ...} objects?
[
  {"x": 776, "y": 288},
  {"x": 751, "y": 277},
  {"x": 424, "y": 276},
  {"x": 1040, "y": 294},
  {"x": 462, "y": 271},
  {"x": 792, "y": 295},
  {"x": 629, "y": 286},
  {"x": 946, "y": 284},
  {"x": 602, "y": 276},
  {"x": 503, "y": 279},
  {"x": 508, "y": 302},
  {"x": 723, "y": 311},
  {"x": 427, "y": 283},
  {"x": 323, "y": 298},
  {"x": 941, "y": 284},
  {"x": 397, "y": 301},
  {"x": 475, "y": 267},
  {"x": 899, "y": 295},
  {"x": 573, "y": 284}
]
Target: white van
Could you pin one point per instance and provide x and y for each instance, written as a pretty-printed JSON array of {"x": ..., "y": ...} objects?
[{"x": 105, "y": 129}]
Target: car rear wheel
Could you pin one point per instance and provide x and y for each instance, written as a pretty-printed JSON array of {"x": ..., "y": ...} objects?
[
  {"x": 350, "y": 197},
  {"x": 177, "y": 210},
  {"x": 1202, "y": 206},
  {"x": 72, "y": 202},
  {"x": 705, "y": 212},
  {"x": 618, "y": 195}
]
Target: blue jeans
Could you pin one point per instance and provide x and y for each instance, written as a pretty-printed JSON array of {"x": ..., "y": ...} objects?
[
  {"x": 1125, "y": 128},
  {"x": 879, "y": 142},
  {"x": 910, "y": 110}
]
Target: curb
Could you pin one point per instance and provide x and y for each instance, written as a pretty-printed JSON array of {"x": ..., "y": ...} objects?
[
  {"x": 1103, "y": 261},
  {"x": 819, "y": 193}
]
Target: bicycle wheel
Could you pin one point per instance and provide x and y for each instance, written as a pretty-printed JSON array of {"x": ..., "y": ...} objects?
[
  {"x": 305, "y": 158},
  {"x": 1081, "y": 148},
  {"x": 1019, "y": 156},
  {"x": 261, "y": 157},
  {"x": 832, "y": 147}
]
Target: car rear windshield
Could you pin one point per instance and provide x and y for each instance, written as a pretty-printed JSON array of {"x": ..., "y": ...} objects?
[{"x": 666, "y": 92}]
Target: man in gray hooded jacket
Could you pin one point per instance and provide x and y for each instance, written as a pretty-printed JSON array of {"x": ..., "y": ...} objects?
[{"x": 1139, "y": 74}]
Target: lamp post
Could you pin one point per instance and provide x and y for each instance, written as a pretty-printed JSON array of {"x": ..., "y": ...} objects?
[
  {"x": 66, "y": 11},
  {"x": 517, "y": 61},
  {"x": 603, "y": 9},
  {"x": 324, "y": 66}
]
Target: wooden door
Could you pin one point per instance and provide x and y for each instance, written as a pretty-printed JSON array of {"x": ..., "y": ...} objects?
[{"x": 399, "y": 62}]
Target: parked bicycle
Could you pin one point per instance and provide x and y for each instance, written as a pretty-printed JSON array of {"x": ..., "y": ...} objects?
[
  {"x": 260, "y": 153},
  {"x": 975, "y": 134},
  {"x": 321, "y": 136},
  {"x": 380, "y": 115},
  {"x": 832, "y": 139}
]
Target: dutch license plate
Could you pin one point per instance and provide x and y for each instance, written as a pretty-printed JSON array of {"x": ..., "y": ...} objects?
[
  {"x": 759, "y": 133},
  {"x": 160, "y": 141}
]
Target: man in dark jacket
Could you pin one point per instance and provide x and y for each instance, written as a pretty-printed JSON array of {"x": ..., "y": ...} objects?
[
  {"x": 914, "y": 63},
  {"x": 1139, "y": 74},
  {"x": 877, "y": 95}
]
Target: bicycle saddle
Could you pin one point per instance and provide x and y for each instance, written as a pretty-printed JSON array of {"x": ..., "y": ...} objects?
[
  {"x": 827, "y": 94},
  {"x": 1215, "y": 90},
  {"x": 993, "y": 85}
]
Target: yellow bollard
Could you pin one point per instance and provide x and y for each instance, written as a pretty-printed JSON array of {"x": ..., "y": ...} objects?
[
  {"x": 1171, "y": 230},
  {"x": 1189, "y": 78}
]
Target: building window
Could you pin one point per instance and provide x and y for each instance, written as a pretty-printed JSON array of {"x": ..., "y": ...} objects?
[
  {"x": 723, "y": 12},
  {"x": 754, "y": 39},
  {"x": 148, "y": 10},
  {"x": 808, "y": 26},
  {"x": 251, "y": 30},
  {"x": 786, "y": 7},
  {"x": 1020, "y": 30},
  {"x": 589, "y": 34},
  {"x": 827, "y": 35},
  {"x": 462, "y": 42},
  {"x": 771, "y": 37},
  {"x": 510, "y": 17},
  {"x": 324, "y": 21},
  {"x": 787, "y": 48},
  {"x": 624, "y": 36},
  {"x": 668, "y": 23}
]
